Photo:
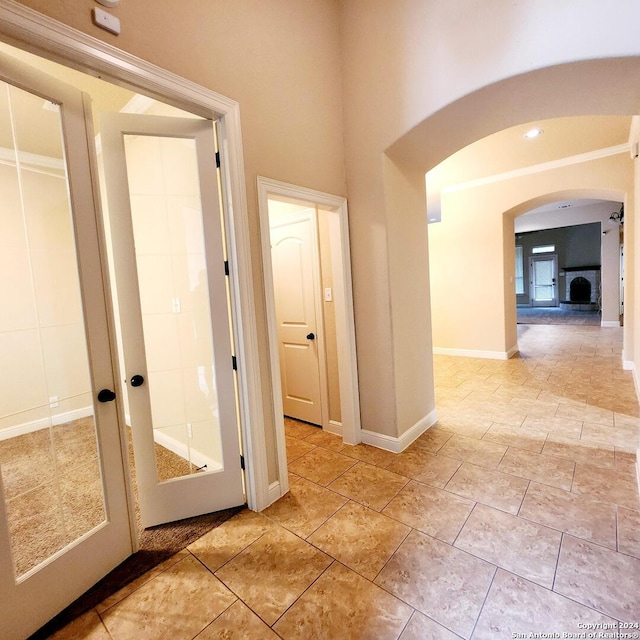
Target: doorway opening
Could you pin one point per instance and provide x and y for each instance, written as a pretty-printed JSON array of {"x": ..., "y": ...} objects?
[{"x": 307, "y": 277}]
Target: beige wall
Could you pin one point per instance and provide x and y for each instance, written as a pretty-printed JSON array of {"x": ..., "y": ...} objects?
[{"x": 472, "y": 251}]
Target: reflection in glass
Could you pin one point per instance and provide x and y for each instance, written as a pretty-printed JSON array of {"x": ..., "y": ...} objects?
[
  {"x": 51, "y": 478},
  {"x": 174, "y": 294}
]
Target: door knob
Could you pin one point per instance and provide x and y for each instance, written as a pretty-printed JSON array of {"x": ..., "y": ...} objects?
[
  {"x": 136, "y": 380},
  {"x": 311, "y": 336},
  {"x": 106, "y": 395}
]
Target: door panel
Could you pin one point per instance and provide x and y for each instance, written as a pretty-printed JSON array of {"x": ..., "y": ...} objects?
[
  {"x": 166, "y": 234},
  {"x": 293, "y": 252},
  {"x": 543, "y": 285},
  {"x": 64, "y": 520}
]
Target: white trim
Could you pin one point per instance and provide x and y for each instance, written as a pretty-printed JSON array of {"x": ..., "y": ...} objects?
[
  {"x": 473, "y": 353},
  {"x": 335, "y": 427},
  {"x": 609, "y": 323},
  {"x": 539, "y": 168},
  {"x": 397, "y": 445},
  {"x": 55, "y": 41},
  {"x": 277, "y": 490},
  {"x": 45, "y": 423},
  {"x": 513, "y": 352},
  {"x": 185, "y": 451},
  {"x": 345, "y": 326},
  {"x": 631, "y": 366}
]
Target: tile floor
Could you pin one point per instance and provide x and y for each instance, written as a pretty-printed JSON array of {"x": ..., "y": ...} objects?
[{"x": 517, "y": 513}]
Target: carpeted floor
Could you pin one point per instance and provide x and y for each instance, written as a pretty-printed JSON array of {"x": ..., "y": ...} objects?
[
  {"x": 556, "y": 315},
  {"x": 52, "y": 487}
]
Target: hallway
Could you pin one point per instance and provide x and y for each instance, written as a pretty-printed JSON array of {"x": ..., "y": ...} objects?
[{"x": 516, "y": 513}]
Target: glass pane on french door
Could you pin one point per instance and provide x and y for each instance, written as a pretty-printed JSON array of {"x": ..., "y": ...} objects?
[
  {"x": 543, "y": 284},
  {"x": 166, "y": 214},
  {"x": 49, "y": 464}
]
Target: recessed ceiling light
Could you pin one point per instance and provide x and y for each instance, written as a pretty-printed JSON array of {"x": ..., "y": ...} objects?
[{"x": 533, "y": 133}]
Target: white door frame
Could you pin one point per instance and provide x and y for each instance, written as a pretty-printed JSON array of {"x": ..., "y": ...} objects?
[
  {"x": 27, "y": 29},
  {"x": 345, "y": 326},
  {"x": 556, "y": 293}
]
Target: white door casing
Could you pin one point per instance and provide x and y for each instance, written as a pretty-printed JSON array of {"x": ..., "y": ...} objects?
[
  {"x": 30, "y": 600},
  {"x": 168, "y": 260},
  {"x": 294, "y": 257}
]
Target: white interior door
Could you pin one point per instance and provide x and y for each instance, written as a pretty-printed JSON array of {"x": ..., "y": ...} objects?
[
  {"x": 543, "y": 282},
  {"x": 294, "y": 257},
  {"x": 64, "y": 519},
  {"x": 167, "y": 245}
]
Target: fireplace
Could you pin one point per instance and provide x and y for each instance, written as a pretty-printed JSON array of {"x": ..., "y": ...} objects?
[{"x": 582, "y": 288}]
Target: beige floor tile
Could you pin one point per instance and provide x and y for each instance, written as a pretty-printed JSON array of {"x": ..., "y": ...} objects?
[
  {"x": 424, "y": 572},
  {"x": 577, "y": 515},
  {"x": 433, "y": 439},
  {"x": 606, "y": 485},
  {"x": 433, "y": 511},
  {"x": 599, "y": 578},
  {"x": 305, "y": 507},
  {"x": 176, "y": 605},
  {"x": 321, "y": 465},
  {"x": 629, "y": 532},
  {"x": 297, "y": 448},
  {"x": 555, "y": 472},
  {"x": 297, "y": 429},
  {"x": 113, "y": 599},
  {"x": 625, "y": 462},
  {"x": 511, "y": 436},
  {"x": 422, "y": 628},
  {"x": 342, "y": 604},
  {"x": 425, "y": 467},
  {"x": 581, "y": 451},
  {"x": 87, "y": 627},
  {"x": 554, "y": 424},
  {"x": 492, "y": 488},
  {"x": 481, "y": 452},
  {"x": 360, "y": 538},
  {"x": 609, "y": 436},
  {"x": 230, "y": 538},
  {"x": 371, "y": 486},
  {"x": 238, "y": 622},
  {"x": 369, "y": 454},
  {"x": 325, "y": 439},
  {"x": 515, "y": 605},
  {"x": 273, "y": 572},
  {"x": 517, "y": 545},
  {"x": 466, "y": 425},
  {"x": 586, "y": 413}
]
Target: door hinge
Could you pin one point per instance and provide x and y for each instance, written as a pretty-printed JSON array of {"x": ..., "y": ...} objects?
[
  {"x": 242, "y": 462},
  {"x": 234, "y": 363},
  {"x": 217, "y": 159},
  {"x": 226, "y": 267}
]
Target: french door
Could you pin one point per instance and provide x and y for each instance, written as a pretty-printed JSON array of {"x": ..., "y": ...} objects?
[
  {"x": 166, "y": 238},
  {"x": 544, "y": 291},
  {"x": 64, "y": 520}
]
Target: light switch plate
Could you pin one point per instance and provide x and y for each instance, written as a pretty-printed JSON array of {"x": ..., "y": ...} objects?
[{"x": 105, "y": 20}]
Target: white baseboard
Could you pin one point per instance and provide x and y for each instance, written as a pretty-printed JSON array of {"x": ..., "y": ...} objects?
[
  {"x": 514, "y": 351},
  {"x": 45, "y": 423},
  {"x": 629, "y": 365},
  {"x": 334, "y": 427},
  {"x": 472, "y": 353},
  {"x": 184, "y": 451},
  {"x": 609, "y": 323},
  {"x": 276, "y": 490},
  {"x": 397, "y": 445}
]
